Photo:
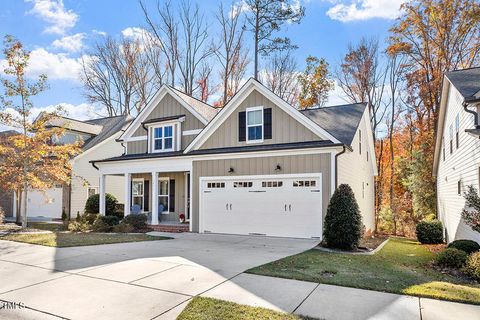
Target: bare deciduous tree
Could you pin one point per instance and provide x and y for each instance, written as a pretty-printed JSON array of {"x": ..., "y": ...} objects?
[
  {"x": 281, "y": 76},
  {"x": 231, "y": 53},
  {"x": 119, "y": 75}
]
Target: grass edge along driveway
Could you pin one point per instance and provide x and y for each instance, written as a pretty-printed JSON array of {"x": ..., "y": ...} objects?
[{"x": 402, "y": 266}]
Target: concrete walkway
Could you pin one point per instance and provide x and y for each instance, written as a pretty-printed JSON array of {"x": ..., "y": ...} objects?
[{"x": 156, "y": 280}]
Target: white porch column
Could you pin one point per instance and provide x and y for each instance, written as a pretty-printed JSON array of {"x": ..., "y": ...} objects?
[
  {"x": 154, "y": 197},
  {"x": 102, "y": 194},
  {"x": 128, "y": 194}
]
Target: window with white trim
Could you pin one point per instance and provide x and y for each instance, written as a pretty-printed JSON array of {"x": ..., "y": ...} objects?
[
  {"x": 457, "y": 130},
  {"x": 137, "y": 192},
  {"x": 254, "y": 125},
  {"x": 360, "y": 141},
  {"x": 163, "y": 138},
  {"x": 92, "y": 191},
  {"x": 451, "y": 138},
  {"x": 164, "y": 195}
]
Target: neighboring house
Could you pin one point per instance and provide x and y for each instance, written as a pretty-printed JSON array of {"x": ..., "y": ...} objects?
[
  {"x": 457, "y": 150},
  {"x": 257, "y": 166},
  {"x": 98, "y": 136}
]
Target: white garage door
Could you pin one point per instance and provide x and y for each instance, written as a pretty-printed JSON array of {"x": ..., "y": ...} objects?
[
  {"x": 45, "y": 204},
  {"x": 284, "y": 206}
]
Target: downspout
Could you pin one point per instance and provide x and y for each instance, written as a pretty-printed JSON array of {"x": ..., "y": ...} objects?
[
  {"x": 94, "y": 165},
  {"x": 475, "y": 114},
  {"x": 336, "y": 165},
  {"x": 146, "y": 129}
]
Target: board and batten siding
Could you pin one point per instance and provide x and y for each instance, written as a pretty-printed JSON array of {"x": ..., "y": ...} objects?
[
  {"x": 167, "y": 107},
  {"x": 285, "y": 129},
  {"x": 84, "y": 175},
  {"x": 179, "y": 178},
  {"x": 356, "y": 170},
  {"x": 312, "y": 163},
  {"x": 462, "y": 165}
]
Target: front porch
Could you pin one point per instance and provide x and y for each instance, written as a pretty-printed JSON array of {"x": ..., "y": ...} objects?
[{"x": 163, "y": 196}]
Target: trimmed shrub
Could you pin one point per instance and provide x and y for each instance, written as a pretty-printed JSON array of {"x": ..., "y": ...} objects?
[
  {"x": 343, "y": 222},
  {"x": 430, "y": 232},
  {"x": 89, "y": 218},
  {"x": 137, "y": 221},
  {"x": 105, "y": 223},
  {"x": 472, "y": 266},
  {"x": 2, "y": 215},
  {"x": 79, "y": 226},
  {"x": 93, "y": 204},
  {"x": 469, "y": 246},
  {"x": 452, "y": 258},
  {"x": 123, "y": 227}
]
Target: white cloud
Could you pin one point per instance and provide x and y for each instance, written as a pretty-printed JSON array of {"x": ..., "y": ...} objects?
[
  {"x": 135, "y": 33},
  {"x": 98, "y": 32},
  {"x": 82, "y": 111},
  {"x": 365, "y": 9},
  {"x": 55, "y": 66},
  {"x": 72, "y": 43},
  {"x": 54, "y": 13}
]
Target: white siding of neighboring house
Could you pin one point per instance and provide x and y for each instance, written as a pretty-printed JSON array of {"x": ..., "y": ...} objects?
[
  {"x": 356, "y": 170},
  {"x": 462, "y": 165},
  {"x": 85, "y": 174}
]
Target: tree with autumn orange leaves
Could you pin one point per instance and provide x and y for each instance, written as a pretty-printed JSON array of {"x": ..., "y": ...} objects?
[
  {"x": 315, "y": 83},
  {"x": 30, "y": 159}
]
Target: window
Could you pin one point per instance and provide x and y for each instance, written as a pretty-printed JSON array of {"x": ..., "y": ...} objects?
[
  {"x": 304, "y": 183},
  {"x": 451, "y": 139},
  {"x": 255, "y": 124},
  {"x": 163, "y": 195},
  {"x": 367, "y": 156},
  {"x": 272, "y": 184},
  {"x": 137, "y": 192},
  {"x": 92, "y": 191},
  {"x": 215, "y": 185},
  {"x": 457, "y": 130},
  {"x": 162, "y": 138},
  {"x": 360, "y": 141},
  {"x": 243, "y": 184},
  {"x": 459, "y": 187},
  {"x": 363, "y": 190}
]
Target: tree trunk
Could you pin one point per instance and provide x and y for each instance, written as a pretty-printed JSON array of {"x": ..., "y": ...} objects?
[
  {"x": 24, "y": 206},
  {"x": 256, "y": 46}
]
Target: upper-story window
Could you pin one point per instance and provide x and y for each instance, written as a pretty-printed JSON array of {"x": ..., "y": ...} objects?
[
  {"x": 254, "y": 124},
  {"x": 457, "y": 130},
  {"x": 451, "y": 138},
  {"x": 162, "y": 139}
]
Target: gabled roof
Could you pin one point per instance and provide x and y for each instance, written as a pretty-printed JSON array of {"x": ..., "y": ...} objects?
[
  {"x": 341, "y": 121},
  {"x": 466, "y": 81},
  {"x": 73, "y": 124},
  {"x": 110, "y": 126}
]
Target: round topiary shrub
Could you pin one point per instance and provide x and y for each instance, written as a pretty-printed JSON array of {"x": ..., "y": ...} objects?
[
  {"x": 452, "y": 258},
  {"x": 137, "y": 221},
  {"x": 105, "y": 223},
  {"x": 430, "y": 232},
  {"x": 472, "y": 266},
  {"x": 469, "y": 246},
  {"x": 343, "y": 222},
  {"x": 93, "y": 204}
]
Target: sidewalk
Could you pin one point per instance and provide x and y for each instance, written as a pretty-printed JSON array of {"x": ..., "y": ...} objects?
[{"x": 332, "y": 302}]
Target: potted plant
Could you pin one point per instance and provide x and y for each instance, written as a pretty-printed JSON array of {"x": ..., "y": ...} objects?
[{"x": 182, "y": 218}]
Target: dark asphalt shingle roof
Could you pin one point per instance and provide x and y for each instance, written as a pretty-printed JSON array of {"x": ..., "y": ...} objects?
[
  {"x": 340, "y": 121},
  {"x": 466, "y": 81},
  {"x": 110, "y": 126},
  {"x": 252, "y": 148}
]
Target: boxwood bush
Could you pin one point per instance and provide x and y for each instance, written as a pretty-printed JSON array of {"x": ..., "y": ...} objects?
[
  {"x": 105, "y": 223},
  {"x": 430, "y": 232},
  {"x": 469, "y": 246},
  {"x": 137, "y": 221},
  {"x": 452, "y": 258},
  {"x": 472, "y": 266},
  {"x": 343, "y": 222},
  {"x": 93, "y": 204}
]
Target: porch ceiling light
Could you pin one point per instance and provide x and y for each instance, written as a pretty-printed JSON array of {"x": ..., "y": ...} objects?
[
  {"x": 278, "y": 168},
  {"x": 231, "y": 170}
]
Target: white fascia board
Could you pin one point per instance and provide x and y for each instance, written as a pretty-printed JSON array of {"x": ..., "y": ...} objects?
[
  {"x": 231, "y": 106},
  {"x": 87, "y": 152},
  {"x": 371, "y": 142},
  {"x": 441, "y": 123}
]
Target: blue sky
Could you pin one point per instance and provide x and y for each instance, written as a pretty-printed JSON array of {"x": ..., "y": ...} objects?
[{"x": 59, "y": 32}]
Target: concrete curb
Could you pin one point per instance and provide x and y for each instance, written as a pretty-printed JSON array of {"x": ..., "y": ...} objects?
[{"x": 374, "y": 251}]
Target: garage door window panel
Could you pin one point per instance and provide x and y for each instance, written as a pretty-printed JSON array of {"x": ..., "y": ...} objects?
[
  {"x": 272, "y": 184},
  {"x": 304, "y": 183},
  {"x": 242, "y": 184}
]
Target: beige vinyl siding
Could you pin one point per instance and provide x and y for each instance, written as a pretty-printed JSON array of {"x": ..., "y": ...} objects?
[
  {"x": 167, "y": 107},
  {"x": 462, "y": 165},
  {"x": 357, "y": 172},
  {"x": 314, "y": 163},
  {"x": 179, "y": 178},
  {"x": 284, "y": 128},
  {"x": 84, "y": 174}
]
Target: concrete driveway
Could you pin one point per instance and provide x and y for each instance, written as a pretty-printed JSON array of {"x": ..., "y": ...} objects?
[{"x": 142, "y": 280}]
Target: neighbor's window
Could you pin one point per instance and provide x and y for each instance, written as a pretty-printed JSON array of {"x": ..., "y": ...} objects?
[
  {"x": 92, "y": 191},
  {"x": 459, "y": 187},
  {"x": 457, "y": 130},
  {"x": 255, "y": 124},
  {"x": 451, "y": 138},
  {"x": 360, "y": 141},
  {"x": 163, "y": 138}
]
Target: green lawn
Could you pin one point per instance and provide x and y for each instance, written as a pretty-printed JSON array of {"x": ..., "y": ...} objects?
[
  {"x": 402, "y": 266},
  {"x": 211, "y": 309},
  {"x": 67, "y": 239}
]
